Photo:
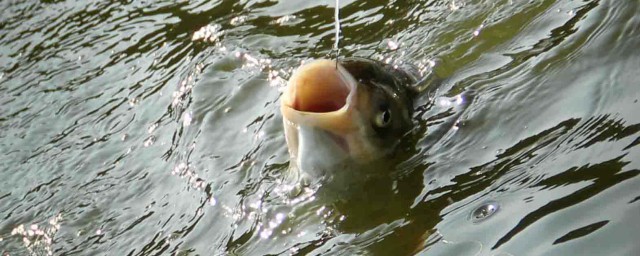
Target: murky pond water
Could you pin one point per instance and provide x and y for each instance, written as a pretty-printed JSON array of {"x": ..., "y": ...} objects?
[{"x": 153, "y": 127}]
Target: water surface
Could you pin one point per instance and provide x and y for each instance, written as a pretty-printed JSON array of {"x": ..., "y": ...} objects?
[{"x": 153, "y": 127}]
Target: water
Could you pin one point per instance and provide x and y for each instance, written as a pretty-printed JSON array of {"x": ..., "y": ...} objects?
[{"x": 153, "y": 127}]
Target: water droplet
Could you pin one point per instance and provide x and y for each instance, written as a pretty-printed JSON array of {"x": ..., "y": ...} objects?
[
  {"x": 459, "y": 99},
  {"x": 286, "y": 20},
  {"x": 149, "y": 141},
  {"x": 266, "y": 233},
  {"x": 484, "y": 211},
  {"x": 477, "y": 31},
  {"x": 392, "y": 45},
  {"x": 210, "y": 33},
  {"x": 453, "y": 6},
  {"x": 152, "y": 128},
  {"x": 186, "y": 121},
  {"x": 238, "y": 20}
]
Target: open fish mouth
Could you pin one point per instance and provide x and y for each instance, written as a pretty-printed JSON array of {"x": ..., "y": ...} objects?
[
  {"x": 320, "y": 94},
  {"x": 318, "y": 112},
  {"x": 319, "y": 87}
]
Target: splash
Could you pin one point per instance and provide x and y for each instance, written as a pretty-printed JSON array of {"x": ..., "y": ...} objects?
[
  {"x": 287, "y": 20},
  {"x": 239, "y": 20},
  {"x": 38, "y": 239},
  {"x": 208, "y": 33}
]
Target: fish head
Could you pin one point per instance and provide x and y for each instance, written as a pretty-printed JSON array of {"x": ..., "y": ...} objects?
[{"x": 353, "y": 111}]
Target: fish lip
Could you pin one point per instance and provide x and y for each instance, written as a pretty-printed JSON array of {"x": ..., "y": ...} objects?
[{"x": 338, "y": 120}]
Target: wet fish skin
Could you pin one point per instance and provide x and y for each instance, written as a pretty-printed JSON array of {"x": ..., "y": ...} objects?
[
  {"x": 376, "y": 114},
  {"x": 390, "y": 88}
]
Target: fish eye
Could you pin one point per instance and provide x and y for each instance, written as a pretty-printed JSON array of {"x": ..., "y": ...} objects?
[{"x": 383, "y": 118}]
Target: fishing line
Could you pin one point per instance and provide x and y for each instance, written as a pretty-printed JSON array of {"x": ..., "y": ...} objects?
[{"x": 337, "y": 28}]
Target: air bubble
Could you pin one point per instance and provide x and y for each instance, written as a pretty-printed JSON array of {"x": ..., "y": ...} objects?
[{"x": 484, "y": 211}]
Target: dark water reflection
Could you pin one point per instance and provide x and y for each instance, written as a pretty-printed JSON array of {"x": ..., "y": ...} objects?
[{"x": 124, "y": 133}]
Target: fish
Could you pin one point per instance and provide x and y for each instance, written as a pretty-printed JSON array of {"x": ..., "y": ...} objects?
[{"x": 343, "y": 113}]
